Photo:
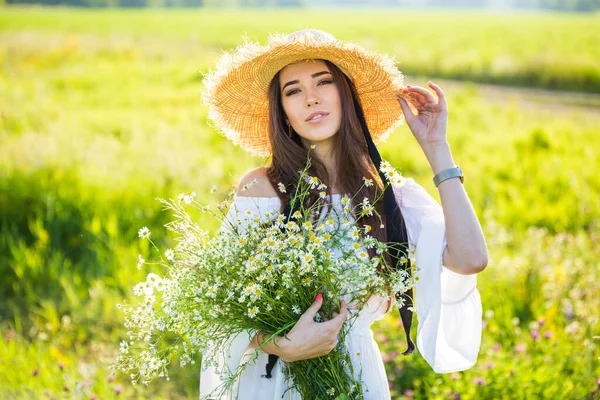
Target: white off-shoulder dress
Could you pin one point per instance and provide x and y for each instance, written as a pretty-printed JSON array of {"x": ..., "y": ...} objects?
[{"x": 447, "y": 304}]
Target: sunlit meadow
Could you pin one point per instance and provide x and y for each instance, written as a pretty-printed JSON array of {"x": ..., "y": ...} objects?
[{"x": 100, "y": 113}]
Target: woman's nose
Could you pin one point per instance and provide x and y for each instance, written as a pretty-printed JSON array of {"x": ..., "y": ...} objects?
[{"x": 312, "y": 98}]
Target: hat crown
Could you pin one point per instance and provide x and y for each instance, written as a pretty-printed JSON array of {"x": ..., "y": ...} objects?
[{"x": 314, "y": 35}]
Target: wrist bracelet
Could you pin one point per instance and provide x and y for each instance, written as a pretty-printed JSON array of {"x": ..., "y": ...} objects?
[{"x": 455, "y": 172}]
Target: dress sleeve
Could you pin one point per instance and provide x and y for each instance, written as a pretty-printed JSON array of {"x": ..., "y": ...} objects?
[
  {"x": 241, "y": 211},
  {"x": 448, "y": 305}
]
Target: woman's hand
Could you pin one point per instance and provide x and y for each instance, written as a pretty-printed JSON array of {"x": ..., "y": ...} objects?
[
  {"x": 429, "y": 125},
  {"x": 309, "y": 339}
]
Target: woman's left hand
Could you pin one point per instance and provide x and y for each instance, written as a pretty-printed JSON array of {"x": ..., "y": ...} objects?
[{"x": 429, "y": 125}]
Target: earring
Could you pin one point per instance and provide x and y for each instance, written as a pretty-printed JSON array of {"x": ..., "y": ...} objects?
[{"x": 290, "y": 130}]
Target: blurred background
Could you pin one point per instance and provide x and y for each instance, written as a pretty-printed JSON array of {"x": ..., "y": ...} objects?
[{"x": 100, "y": 113}]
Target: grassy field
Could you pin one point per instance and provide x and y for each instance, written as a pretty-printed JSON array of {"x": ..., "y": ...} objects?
[{"x": 100, "y": 113}]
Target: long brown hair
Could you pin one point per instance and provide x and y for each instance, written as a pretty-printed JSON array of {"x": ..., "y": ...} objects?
[{"x": 289, "y": 156}]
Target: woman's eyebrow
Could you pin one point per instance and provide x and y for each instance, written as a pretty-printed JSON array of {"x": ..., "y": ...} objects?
[{"x": 297, "y": 81}]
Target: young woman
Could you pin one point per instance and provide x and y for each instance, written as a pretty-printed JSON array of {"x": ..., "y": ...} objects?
[{"x": 307, "y": 90}]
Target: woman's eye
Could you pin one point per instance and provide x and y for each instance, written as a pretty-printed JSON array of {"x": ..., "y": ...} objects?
[{"x": 294, "y": 91}]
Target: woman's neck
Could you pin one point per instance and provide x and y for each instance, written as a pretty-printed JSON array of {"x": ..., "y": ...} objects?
[{"x": 324, "y": 152}]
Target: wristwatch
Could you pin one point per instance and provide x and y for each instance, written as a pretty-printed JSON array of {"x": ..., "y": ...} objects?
[{"x": 447, "y": 174}]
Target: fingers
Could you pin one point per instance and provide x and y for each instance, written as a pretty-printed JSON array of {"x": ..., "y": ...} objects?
[
  {"x": 440, "y": 93},
  {"x": 437, "y": 90},
  {"x": 408, "y": 114},
  {"x": 342, "y": 315},
  {"x": 426, "y": 93},
  {"x": 314, "y": 308}
]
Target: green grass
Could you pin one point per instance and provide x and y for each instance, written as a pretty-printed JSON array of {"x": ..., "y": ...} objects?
[
  {"x": 551, "y": 50},
  {"x": 100, "y": 113}
]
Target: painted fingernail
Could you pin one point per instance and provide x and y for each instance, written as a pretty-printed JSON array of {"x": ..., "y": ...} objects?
[{"x": 319, "y": 297}]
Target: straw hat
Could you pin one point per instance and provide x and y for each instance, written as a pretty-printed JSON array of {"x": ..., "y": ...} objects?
[{"x": 236, "y": 91}]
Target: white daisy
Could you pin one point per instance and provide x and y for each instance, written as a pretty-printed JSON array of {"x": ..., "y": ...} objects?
[
  {"x": 252, "y": 311},
  {"x": 141, "y": 261},
  {"x": 170, "y": 255},
  {"x": 144, "y": 233}
]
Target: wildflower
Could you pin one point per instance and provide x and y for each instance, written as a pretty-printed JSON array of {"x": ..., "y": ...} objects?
[
  {"x": 322, "y": 195},
  {"x": 520, "y": 348},
  {"x": 322, "y": 186},
  {"x": 253, "y": 311},
  {"x": 296, "y": 310},
  {"x": 572, "y": 328},
  {"x": 496, "y": 347},
  {"x": 241, "y": 299},
  {"x": 297, "y": 215},
  {"x": 331, "y": 391},
  {"x": 312, "y": 146},
  {"x": 479, "y": 381},
  {"x": 354, "y": 234},
  {"x": 533, "y": 325},
  {"x": 368, "y": 182},
  {"x": 385, "y": 166},
  {"x": 367, "y": 228},
  {"x": 547, "y": 334},
  {"x": 118, "y": 389},
  {"x": 306, "y": 281},
  {"x": 535, "y": 335},
  {"x": 211, "y": 292},
  {"x": 249, "y": 185},
  {"x": 187, "y": 197},
  {"x": 282, "y": 188},
  {"x": 363, "y": 254},
  {"x": 141, "y": 261},
  {"x": 291, "y": 226},
  {"x": 313, "y": 181},
  {"x": 144, "y": 233},
  {"x": 170, "y": 255}
]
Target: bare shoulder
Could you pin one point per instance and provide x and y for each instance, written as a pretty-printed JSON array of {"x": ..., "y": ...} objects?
[{"x": 256, "y": 184}]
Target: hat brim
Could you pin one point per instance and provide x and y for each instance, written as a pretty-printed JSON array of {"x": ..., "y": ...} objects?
[{"x": 236, "y": 92}]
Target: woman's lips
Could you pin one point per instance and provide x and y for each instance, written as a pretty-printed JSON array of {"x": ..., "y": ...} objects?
[{"x": 318, "y": 119}]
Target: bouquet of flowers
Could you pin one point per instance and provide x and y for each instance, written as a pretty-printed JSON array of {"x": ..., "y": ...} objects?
[{"x": 260, "y": 272}]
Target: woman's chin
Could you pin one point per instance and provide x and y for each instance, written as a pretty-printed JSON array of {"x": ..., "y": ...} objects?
[{"x": 319, "y": 136}]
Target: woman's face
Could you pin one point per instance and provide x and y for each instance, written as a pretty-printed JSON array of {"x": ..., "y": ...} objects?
[{"x": 310, "y": 100}]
